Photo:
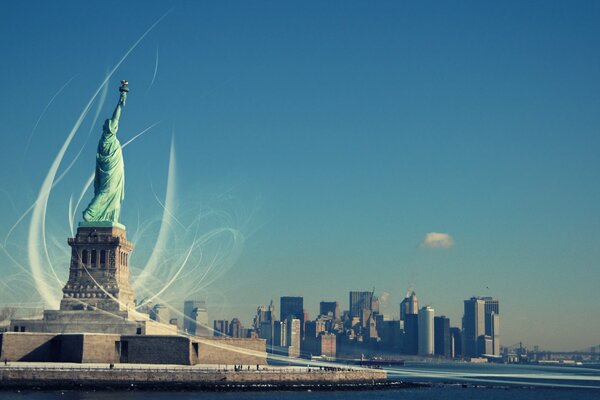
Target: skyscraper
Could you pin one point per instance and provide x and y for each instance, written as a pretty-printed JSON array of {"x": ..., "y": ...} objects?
[
  {"x": 410, "y": 305},
  {"x": 481, "y": 327},
  {"x": 426, "y": 336},
  {"x": 291, "y": 305},
  {"x": 293, "y": 336},
  {"x": 279, "y": 335},
  {"x": 411, "y": 334},
  {"x": 473, "y": 325},
  {"x": 264, "y": 314},
  {"x": 201, "y": 328},
  {"x": 330, "y": 307},
  {"x": 221, "y": 327},
  {"x": 442, "y": 338},
  {"x": 160, "y": 313},
  {"x": 360, "y": 301},
  {"x": 495, "y": 333},
  {"x": 456, "y": 340},
  {"x": 191, "y": 317},
  {"x": 236, "y": 330}
]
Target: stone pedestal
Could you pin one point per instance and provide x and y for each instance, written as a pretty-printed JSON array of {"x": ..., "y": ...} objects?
[
  {"x": 99, "y": 271},
  {"x": 97, "y": 297}
]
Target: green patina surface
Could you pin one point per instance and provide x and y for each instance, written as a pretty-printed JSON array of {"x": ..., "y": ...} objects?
[{"x": 109, "y": 182}]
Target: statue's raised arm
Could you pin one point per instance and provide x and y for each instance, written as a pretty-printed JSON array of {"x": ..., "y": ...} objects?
[
  {"x": 124, "y": 89},
  {"x": 109, "y": 183}
]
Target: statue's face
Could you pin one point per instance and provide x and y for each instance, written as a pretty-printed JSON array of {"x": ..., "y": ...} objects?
[{"x": 106, "y": 125}]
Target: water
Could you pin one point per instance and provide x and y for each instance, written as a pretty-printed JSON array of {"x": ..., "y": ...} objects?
[
  {"x": 448, "y": 381},
  {"x": 499, "y": 374},
  {"x": 444, "y": 392}
]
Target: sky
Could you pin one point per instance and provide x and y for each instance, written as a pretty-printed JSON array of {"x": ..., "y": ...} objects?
[{"x": 317, "y": 148}]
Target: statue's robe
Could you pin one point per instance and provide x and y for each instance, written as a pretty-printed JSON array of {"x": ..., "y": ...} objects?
[{"x": 109, "y": 183}]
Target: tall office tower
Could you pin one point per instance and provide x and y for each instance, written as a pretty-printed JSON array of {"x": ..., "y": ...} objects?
[
  {"x": 264, "y": 323},
  {"x": 371, "y": 328},
  {"x": 189, "y": 320},
  {"x": 411, "y": 334},
  {"x": 456, "y": 336},
  {"x": 313, "y": 328},
  {"x": 425, "y": 321},
  {"x": 160, "y": 313},
  {"x": 495, "y": 333},
  {"x": 280, "y": 334},
  {"x": 410, "y": 305},
  {"x": 312, "y": 331},
  {"x": 263, "y": 314},
  {"x": 221, "y": 327},
  {"x": 267, "y": 332},
  {"x": 442, "y": 338},
  {"x": 491, "y": 305},
  {"x": 291, "y": 305},
  {"x": 479, "y": 321},
  {"x": 485, "y": 345},
  {"x": 293, "y": 336},
  {"x": 201, "y": 328},
  {"x": 330, "y": 307},
  {"x": 375, "y": 305},
  {"x": 327, "y": 345},
  {"x": 236, "y": 330},
  {"x": 473, "y": 326},
  {"x": 360, "y": 301}
]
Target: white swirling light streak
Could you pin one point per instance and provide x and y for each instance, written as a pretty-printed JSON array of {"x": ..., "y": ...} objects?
[{"x": 36, "y": 241}]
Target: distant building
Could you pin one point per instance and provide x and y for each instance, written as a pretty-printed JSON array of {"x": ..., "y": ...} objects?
[
  {"x": 221, "y": 327},
  {"x": 442, "y": 338},
  {"x": 456, "y": 340},
  {"x": 293, "y": 336},
  {"x": 327, "y": 345},
  {"x": 264, "y": 314},
  {"x": 201, "y": 317},
  {"x": 160, "y": 313},
  {"x": 473, "y": 325},
  {"x": 411, "y": 334},
  {"x": 291, "y": 305},
  {"x": 426, "y": 336},
  {"x": 485, "y": 344},
  {"x": 263, "y": 322},
  {"x": 190, "y": 320},
  {"x": 410, "y": 305},
  {"x": 280, "y": 334},
  {"x": 495, "y": 333},
  {"x": 236, "y": 330},
  {"x": 313, "y": 329},
  {"x": 267, "y": 332},
  {"x": 360, "y": 301},
  {"x": 481, "y": 319},
  {"x": 330, "y": 307},
  {"x": 390, "y": 334}
]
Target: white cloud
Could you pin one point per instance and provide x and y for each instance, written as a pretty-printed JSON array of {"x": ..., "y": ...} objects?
[
  {"x": 435, "y": 240},
  {"x": 383, "y": 297}
]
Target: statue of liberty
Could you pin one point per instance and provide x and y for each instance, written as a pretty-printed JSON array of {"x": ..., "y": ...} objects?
[{"x": 109, "y": 182}]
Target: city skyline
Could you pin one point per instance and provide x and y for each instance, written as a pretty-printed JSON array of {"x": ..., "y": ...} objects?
[{"x": 319, "y": 149}]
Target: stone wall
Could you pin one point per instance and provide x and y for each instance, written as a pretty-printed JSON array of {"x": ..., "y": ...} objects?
[
  {"x": 121, "y": 376},
  {"x": 28, "y": 347},
  {"x": 156, "y": 350},
  {"x": 69, "y": 348},
  {"x": 221, "y": 350},
  {"x": 135, "y": 349},
  {"x": 100, "y": 348}
]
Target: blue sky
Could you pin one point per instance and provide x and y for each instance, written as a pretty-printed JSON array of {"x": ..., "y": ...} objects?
[{"x": 334, "y": 136}]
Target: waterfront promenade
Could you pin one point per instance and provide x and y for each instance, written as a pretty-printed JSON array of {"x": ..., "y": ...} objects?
[{"x": 64, "y": 375}]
